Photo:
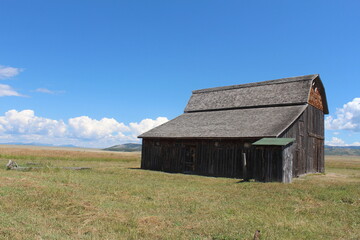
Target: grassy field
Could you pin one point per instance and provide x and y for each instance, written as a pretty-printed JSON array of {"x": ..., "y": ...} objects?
[{"x": 117, "y": 200}]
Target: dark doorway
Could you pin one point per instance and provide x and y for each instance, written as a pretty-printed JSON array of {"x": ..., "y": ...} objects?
[
  {"x": 318, "y": 155},
  {"x": 190, "y": 159}
]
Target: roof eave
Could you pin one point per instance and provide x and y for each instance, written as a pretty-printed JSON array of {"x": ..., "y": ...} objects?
[{"x": 208, "y": 138}]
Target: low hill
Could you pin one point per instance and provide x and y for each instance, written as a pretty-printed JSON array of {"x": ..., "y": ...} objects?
[
  {"x": 349, "y": 151},
  {"x": 127, "y": 147}
]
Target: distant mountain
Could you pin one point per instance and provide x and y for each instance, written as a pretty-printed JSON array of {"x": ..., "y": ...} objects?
[
  {"x": 29, "y": 144},
  {"x": 69, "y": 146},
  {"x": 351, "y": 147},
  {"x": 127, "y": 147},
  {"x": 39, "y": 144},
  {"x": 350, "y": 150}
]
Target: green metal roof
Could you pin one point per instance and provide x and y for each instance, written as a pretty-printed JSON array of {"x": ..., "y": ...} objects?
[{"x": 274, "y": 141}]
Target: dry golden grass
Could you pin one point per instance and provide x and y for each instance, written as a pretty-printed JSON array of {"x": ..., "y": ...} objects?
[
  {"x": 116, "y": 200},
  {"x": 350, "y": 162},
  {"x": 63, "y": 153}
]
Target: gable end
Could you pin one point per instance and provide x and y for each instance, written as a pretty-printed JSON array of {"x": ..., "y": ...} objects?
[{"x": 317, "y": 97}]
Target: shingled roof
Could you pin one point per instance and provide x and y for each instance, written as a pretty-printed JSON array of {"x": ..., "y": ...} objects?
[
  {"x": 285, "y": 91},
  {"x": 238, "y": 123},
  {"x": 262, "y": 109}
]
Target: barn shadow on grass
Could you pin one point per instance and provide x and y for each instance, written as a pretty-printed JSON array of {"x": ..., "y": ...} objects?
[{"x": 192, "y": 174}]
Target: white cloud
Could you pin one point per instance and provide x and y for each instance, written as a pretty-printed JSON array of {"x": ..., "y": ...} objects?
[
  {"x": 335, "y": 142},
  {"x": 24, "y": 126},
  {"x": 6, "y": 90},
  {"x": 8, "y": 72},
  {"x": 339, "y": 142},
  {"x": 146, "y": 125},
  {"x": 87, "y": 128},
  {"x": 48, "y": 91},
  {"x": 347, "y": 117},
  {"x": 25, "y": 122},
  {"x": 44, "y": 90}
]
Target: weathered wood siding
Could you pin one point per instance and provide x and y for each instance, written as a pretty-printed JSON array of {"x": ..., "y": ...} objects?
[
  {"x": 287, "y": 163},
  {"x": 221, "y": 158},
  {"x": 315, "y": 97},
  {"x": 238, "y": 159},
  {"x": 308, "y": 131}
]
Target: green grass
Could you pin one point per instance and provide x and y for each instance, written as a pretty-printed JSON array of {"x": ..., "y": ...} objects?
[{"x": 116, "y": 200}]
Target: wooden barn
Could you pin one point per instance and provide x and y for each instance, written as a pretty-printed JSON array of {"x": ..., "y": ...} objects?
[{"x": 267, "y": 131}]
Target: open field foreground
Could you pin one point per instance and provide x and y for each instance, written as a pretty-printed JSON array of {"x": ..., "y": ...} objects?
[{"x": 116, "y": 200}]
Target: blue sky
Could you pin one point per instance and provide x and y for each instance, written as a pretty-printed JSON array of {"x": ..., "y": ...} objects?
[{"x": 97, "y": 73}]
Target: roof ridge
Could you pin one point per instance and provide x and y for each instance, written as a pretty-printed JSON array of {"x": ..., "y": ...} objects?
[
  {"x": 263, "y": 83},
  {"x": 248, "y": 107}
]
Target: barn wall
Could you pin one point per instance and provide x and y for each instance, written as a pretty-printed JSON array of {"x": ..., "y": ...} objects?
[
  {"x": 308, "y": 131},
  {"x": 226, "y": 158},
  {"x": 221, "y": 158}
]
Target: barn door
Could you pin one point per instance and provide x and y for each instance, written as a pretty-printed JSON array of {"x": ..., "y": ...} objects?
[
  {"x": 321, "y": 155},
  {"x": 318, "y": 154},
  {"x": 190, "y": 159}
]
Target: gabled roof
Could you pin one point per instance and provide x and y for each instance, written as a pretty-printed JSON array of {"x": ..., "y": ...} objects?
[
  {"x": 237, "y": 123},
  {"x": 285, "y": 91},
  {"x": 254, "y": 110}
]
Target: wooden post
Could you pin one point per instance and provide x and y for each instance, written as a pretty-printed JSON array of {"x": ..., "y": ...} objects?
[
  {"x": 287, "y": 163},
  {"x": 244, "y": 167}
]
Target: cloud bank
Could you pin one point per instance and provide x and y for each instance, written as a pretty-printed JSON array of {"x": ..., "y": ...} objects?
[
  {"x": 24, "y": 126},
  {"x": 347, "y": 117},
  {"x": 335, "y": 141},
  {"x": 146, "y": 125}
]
